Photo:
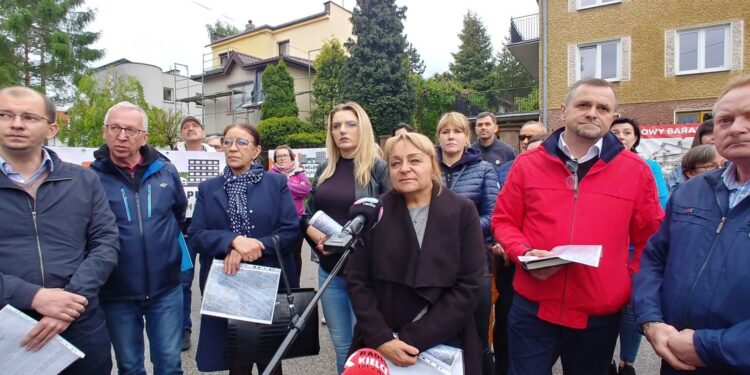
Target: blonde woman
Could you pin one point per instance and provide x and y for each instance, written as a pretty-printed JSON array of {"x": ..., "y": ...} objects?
[{"x": 353, "y": 171}]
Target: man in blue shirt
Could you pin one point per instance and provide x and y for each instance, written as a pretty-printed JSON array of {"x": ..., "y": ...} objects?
[{"x": 691, "y": 294}]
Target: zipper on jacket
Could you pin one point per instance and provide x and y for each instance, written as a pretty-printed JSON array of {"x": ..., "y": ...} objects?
[
  {"x": 143, "y": 240},
  {"x": 149, "y": 200},
  {"x": 125, "y": 200},
  {"x": 32, "y": 206},
  {"x": 721, "y": 224}
]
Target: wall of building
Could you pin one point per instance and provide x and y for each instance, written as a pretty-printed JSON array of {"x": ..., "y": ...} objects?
[
  {"x": 645, "y": 22},
  {"x": 217, "y": 113}
]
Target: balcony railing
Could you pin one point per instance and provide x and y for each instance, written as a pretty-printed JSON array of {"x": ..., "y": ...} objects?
[{"x": 523, "y": 29}]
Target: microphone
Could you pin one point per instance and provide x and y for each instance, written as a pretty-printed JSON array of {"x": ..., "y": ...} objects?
[
  {"x": 366, "y": 362},
  {"x": 365, "y": 213}
]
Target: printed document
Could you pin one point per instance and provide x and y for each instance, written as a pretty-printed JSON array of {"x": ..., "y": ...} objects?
[{"x": 583, "y": 254}]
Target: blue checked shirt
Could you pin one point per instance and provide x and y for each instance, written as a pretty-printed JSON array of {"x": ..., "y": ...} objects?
[
  {"x": 15, "y": 176},
  {"x": 737, "y": 191}
]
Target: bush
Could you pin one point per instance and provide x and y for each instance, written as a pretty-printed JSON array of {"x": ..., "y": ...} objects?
[
  {"x": 274, "y": 131},
  {"x": 307, "y": 140}
]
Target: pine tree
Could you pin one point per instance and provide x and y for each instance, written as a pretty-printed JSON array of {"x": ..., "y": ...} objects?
[
  {"x": 326, "y": 84},
  {"x": 510, "y": 79},
  {"x": 416, "y": 64},
  {"x": 472, "y": 64},
  {"x": 278, "y": 87},
  {"x": 376, "y": 74},
  {"x": 49, "y": 40},
  {"x": 220, "y": 30}
]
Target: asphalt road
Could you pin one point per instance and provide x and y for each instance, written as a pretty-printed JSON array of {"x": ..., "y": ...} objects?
[{"x": 324, "y": 364}]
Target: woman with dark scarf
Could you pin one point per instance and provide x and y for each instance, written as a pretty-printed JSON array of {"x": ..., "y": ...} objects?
[
  {"x": 299, "y": 185},
  {"x": 234, "y": 218}
]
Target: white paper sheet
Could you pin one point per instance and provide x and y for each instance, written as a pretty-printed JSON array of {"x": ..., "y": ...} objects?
[
  {"x": 583, "y": 254},
  {"x": 53, "y": 358},
  {"x": 438, "y": 360},
  {"x": 249, "y": 295}
]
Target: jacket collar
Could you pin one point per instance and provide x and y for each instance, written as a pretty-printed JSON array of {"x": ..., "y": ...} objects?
[{"x": 611, "y": 146}]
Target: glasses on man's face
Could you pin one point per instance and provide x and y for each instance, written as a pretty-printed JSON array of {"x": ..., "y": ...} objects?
[
  {"x": 348, "y": 123},
  {"x": 241, "y": 143},
  {"x": 523, "y": 137},
  {"x": 116, "y": 130},
  {"x": 7, "y": 117}
]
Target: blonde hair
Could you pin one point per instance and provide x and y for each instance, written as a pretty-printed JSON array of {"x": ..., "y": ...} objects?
[
  {"x": 364, "y": 155},
  {"x": 455, "y": 119},
  {"x": 422, "y": 143},
  {"x": 734, "y": 83}
]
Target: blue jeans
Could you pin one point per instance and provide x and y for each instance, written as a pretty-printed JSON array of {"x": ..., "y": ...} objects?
[
  {"x": 90, "y": 335},
  {"x": 630, "y": 338},
  {"x": 339, "y": 315},
  {"x": 163, "y": 320}
]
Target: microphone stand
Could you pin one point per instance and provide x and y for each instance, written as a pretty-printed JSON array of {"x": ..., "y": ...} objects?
[{"x": 298, "y": 321}]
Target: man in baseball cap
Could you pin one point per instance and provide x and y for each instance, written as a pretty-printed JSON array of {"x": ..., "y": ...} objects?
[{"x": 193, "y": 133}]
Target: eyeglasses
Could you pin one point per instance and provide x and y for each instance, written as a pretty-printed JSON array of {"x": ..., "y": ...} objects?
[
  {"x": 241, "y": 143},
  {"x": 523, "y": 137},
  {"x": 283, "y": 156},
  {"x": 708, "y": 167},
  {"x": 116, "y": 130},
  {"x": 7, "y": 117},
  {"x": 348, "y": 123}
]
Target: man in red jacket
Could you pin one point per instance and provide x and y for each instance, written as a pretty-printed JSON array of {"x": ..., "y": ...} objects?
[{"x": 580, "y": 188}]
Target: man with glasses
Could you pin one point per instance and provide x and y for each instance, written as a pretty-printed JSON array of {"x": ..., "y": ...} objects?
[
  {"x": 529, "y": 131},
  {"x": 571, "y": 191},
  {"x": 691, "y": 295},
  {"x": 59, "y": 237},
  {"x": 146, "y": 196},
  {"x": 493, "y": 151}
]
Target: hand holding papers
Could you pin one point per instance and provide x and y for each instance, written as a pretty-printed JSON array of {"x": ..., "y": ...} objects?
[
  {"x": 248, "y": 295},
  {"x": 438, "y": 360},
  {"x": 583, "y": 254},
  {"x": 51, "y": 359}
]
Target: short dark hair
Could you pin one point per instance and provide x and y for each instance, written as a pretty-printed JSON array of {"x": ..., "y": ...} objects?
[
  {"x": 485, "y": 114},
  {"x": 706, "y": 127},
  {"x": 636, "y": 129},
  {"x": 401, "y": 125},
  {"x": 596, "y": 82},
  {"x": 250, "y": 129},
  {"x": 50, "y": 111},
  {"x": 283, "y": 147}
]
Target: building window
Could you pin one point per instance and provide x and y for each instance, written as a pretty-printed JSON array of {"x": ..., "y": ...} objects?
[
  {"x": 168, "y": 94},
  {"x": 584, "y": 4},
  {"x": 702, "y": 50},
  {"x": 600, "y": 60},
  {"x": 223, "y": 57},
  {"x": 284, "y": 48},
  {"x": 242, "y": 96},
  {"x": 689, "y": 117}
]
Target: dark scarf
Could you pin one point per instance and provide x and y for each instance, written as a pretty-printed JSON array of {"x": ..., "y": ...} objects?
[{"x": 236, "y": 188}]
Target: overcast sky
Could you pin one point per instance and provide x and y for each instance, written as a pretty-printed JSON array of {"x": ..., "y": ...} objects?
[{"x": 164, "y": 32}]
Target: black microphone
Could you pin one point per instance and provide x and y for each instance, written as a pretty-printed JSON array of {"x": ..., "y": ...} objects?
[{"x": 365, "y": 213}]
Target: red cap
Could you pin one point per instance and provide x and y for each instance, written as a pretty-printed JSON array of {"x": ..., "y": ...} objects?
[{"x": 366, "y": 362}]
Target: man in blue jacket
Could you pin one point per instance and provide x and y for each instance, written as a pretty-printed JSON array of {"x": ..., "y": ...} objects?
[
  {"x": 691, "y": 295},
  {"x": 147, "y": 198},
  {"x": 59, "y": 238}
]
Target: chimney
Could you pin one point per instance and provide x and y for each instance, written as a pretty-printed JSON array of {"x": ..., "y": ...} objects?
[{"x": 249, "y": 25}]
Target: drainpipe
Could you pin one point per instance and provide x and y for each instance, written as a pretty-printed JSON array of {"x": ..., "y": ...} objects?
[{"x": 544, "y": 65}]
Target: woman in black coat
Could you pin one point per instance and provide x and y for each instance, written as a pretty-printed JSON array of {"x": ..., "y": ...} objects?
[{"x": 416, "y": 281}]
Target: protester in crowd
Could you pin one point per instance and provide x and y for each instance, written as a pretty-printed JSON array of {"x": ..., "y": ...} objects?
[
  {"x": 530, "y": 130},
  {"x": 491, "y": 149},
  {"x": 62, "y": 206},
  {"x": 571, "y": 191},
  {"x": 401, "y": 128},
  {"x": 215, "y": 142},
  {"x": 704, "y": 135},
  {"x": 146, "y": 196},
  {"x": 466, "y": 174},
  {"x": 352, "y": 171},
  {"x": 299, "y": 187},
  {"x": 234, "y": 218},
  {"x": 193, "y": 134},
  {"x": 628, "y": 132},
  {"x": 416, "y": 281},
  {"x": 691, "y": 293},
  {"x": 505, "y": 269},
  {"x": 700, "y": 159}
]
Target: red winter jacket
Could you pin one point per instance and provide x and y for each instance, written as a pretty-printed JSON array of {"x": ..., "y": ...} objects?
[{"x": 617, "y": 204}]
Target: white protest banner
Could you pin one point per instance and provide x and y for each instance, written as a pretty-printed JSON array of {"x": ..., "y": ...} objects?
[
  {"x": 193, "y": 166},
  {"x": 666, "y": 143}
]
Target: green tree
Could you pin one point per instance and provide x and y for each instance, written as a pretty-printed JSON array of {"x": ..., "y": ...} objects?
[
  {"x": 376, "y": 74},
  {"x": 472, "y": 64},
  {"x": 437, "y": 95},
  {"x": 275, "y": 131},
  {"x": 92, "y": 100},
  {"x": 278, "y": 87},
  {"x": 326, "y": 86},
  {"x": 416, "y": 64},
  {"x": 511, "y": 81},
  {"x": 50, "y": 43},
  {"x": 220, "y": 29},
  {"x": 163, "y": 126}
]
